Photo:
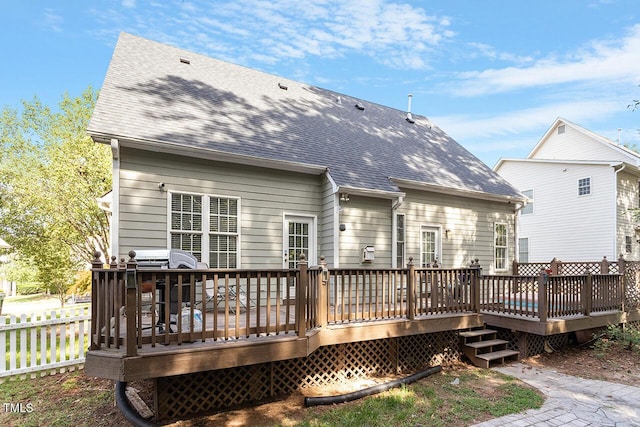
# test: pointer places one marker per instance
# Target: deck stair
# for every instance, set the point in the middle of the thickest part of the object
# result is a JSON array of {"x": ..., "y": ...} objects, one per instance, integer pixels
[{"x": 483, "y": 348}]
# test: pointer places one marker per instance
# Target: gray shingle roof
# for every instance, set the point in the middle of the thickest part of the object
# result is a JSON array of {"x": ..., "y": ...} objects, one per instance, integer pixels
[{"x": 149, "y": 94}]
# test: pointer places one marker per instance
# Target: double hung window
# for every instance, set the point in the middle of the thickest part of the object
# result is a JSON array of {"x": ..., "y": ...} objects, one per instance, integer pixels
[{"x": 207, "y": 226}]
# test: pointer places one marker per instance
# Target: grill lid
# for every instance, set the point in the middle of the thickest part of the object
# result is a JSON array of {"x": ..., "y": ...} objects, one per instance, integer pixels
[{"x": 165, "y": 258}]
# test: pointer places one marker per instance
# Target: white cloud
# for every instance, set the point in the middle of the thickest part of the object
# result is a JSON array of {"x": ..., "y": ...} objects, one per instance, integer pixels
[
  {"x": 129, "y": 4},
  {"x": 52, "y": 20},
  {"x": 398, "y": 35},
  {"x": 600, "y": 61},
  {"x": 525, "y": 120}
]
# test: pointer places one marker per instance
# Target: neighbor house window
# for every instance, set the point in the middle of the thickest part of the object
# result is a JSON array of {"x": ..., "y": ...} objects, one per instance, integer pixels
[
  {"x": 207, "y": 226},
  {"x": 500, "y": 244},
  {"x": 584, "y": 186},
  {"x": 528, "y": 208},
  {"x": 400, "y": 240},
  {"x": 628, "y": 242},
  {"x": 523, "y": 249}
]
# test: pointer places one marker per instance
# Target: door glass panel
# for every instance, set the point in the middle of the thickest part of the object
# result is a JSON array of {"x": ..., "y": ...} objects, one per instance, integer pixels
[
  {"x": 429, "y": 247},
  {"x": 298, "y": 242}
]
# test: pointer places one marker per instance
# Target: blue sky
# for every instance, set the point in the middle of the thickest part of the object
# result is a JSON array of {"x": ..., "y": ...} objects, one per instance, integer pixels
[{"x": 493, "y": 74}]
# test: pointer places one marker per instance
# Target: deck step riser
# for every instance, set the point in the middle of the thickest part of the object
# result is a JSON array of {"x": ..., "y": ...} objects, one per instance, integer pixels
[{"x": 484, "y": 350}]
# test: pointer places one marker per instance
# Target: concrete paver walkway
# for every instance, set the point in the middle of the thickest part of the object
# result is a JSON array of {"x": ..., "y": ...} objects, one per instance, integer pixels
[{"x": 572, "y": 401}]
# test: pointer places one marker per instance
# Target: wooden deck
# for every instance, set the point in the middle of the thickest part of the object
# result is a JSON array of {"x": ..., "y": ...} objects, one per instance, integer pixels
[{"x": 254, "y": 317}]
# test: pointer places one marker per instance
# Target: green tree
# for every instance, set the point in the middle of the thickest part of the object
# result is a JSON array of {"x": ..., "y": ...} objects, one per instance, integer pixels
[{"x": 51, "y": 174}]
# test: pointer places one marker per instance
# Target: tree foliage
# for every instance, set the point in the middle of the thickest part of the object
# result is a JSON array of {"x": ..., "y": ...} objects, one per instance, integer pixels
[{"x": 51, "y": 174}]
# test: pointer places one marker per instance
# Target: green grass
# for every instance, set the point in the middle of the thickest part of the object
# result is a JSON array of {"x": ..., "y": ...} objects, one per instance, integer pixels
[
  {"x": 478, "y": 396},
  {"x": 69, "y": 399}
]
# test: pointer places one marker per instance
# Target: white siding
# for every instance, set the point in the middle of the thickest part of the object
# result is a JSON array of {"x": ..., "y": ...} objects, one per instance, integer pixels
[
  {"x": 265, "y": 195},
  {"x": 563, "y": 224},
  {"x": 574, "y": 145}
]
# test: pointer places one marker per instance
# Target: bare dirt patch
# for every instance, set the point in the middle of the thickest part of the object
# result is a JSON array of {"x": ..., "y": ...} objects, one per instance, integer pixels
[{"x": 617, "y": 364}]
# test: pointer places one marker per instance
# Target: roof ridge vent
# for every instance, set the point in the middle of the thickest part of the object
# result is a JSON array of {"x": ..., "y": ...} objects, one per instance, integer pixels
[
  {"x": 185, "y": 60},
  {"x": 339, "y": 100},
  {"x": 359, "y": 106},
  {"x": 283, "y": 87}
]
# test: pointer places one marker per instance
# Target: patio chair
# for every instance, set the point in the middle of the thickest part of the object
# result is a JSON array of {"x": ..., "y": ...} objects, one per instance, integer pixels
[{"x": 219, "y": 296}]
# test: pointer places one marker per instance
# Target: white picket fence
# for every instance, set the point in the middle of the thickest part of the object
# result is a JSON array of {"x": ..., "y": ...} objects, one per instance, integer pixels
[{"x": 47, "y": 342}]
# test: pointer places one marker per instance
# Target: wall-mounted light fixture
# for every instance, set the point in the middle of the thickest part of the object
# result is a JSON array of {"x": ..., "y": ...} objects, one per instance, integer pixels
[
  {"x": 344, "y": 197},
  {"x": 343, "y": 227},
  {"x": 446, "y": 233},
  {"x": 161, "y": 186}
]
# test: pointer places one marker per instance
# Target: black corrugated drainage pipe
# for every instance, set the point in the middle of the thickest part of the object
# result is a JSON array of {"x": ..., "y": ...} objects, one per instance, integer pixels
[
  {"x": 342, "y": 398},
  {"x": 127, "y": 410}
]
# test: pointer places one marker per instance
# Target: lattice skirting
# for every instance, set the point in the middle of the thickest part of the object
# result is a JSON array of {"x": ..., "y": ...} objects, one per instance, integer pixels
[
  {"x": 185, "y": 395},
  {"x": 529, "y": 344}
]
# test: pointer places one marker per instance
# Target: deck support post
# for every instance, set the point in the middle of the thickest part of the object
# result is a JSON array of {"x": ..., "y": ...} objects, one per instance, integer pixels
[
  {"x": 623, "y": 282},
  {"x": 130, "y": 304},
  {"x": 543, "y": 281},
  {"x": 475, "y": 285},
  {"x": 301, "y": 296},
  {"x": 96, "y": 286},
  {"x": 411, "y": 290},
  {"x": 586, "y": 297},
  {"x": 321, "y": 292}
]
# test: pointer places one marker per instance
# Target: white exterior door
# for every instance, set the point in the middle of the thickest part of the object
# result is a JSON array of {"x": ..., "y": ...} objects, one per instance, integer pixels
[
  {"x": 299, "y": 236},
  {"x": 430, "y": 245}
]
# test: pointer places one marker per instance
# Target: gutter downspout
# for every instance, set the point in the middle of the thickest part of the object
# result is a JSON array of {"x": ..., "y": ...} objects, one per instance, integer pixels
[
  {"x": 516, "y": 230},
  {"x": 615, "y": 210},
  {"x": 394, "y": 227},
  {"x": 115, "y": 198},
  {"x": 330, "y": 400},
  {"x": 127, "y": 410}
]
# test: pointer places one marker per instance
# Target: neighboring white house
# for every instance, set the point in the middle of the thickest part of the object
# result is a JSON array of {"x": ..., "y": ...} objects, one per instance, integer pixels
[
  {"x": 582, "y": 188},
  {"x": 246, "y": 169}
]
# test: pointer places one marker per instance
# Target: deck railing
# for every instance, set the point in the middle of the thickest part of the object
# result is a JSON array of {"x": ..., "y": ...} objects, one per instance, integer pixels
[
  {"x": 134, "y": 307},
  {"x": 550, "y": 296}
]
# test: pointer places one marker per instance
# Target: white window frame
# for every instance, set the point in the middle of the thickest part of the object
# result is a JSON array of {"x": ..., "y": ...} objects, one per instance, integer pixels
[
  {"x": 206, "y": 224},
  {"x": 397, "y": 239},
  {"x": 522, "y": 240},
  {"x": 496, "y": 246},
  {"x": 438, "y": 243},
  {"x": 580, "y": 187},
  {"x": 528, "y": 208}
]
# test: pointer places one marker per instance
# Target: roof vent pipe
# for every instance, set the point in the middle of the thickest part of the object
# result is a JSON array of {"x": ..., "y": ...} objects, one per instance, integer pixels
[{"x": 409, "y": 115}]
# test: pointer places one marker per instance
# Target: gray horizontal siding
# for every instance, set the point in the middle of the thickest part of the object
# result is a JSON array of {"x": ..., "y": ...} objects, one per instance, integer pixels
[
  {"x": 470, "y": 221},
  {"x": 265, "y": 195},
  {"x": 368, "y": 223}
]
